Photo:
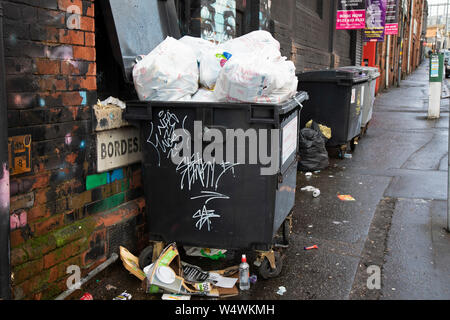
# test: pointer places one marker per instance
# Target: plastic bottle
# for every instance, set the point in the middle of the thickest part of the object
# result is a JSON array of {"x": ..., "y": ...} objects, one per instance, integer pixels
[{"x": 244, "y": 274}]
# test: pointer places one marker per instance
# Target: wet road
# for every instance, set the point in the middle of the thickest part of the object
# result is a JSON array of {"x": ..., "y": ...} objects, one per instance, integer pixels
[{"x": 398, "y": 177}]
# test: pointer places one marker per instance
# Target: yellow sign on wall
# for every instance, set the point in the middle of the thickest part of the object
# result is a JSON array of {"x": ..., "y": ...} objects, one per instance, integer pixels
[{"x": 19, "y": 150}]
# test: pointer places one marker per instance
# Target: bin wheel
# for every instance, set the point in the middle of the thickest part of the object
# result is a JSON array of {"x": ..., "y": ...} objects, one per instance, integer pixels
[
  {"x": 146, "y": 257},
  {"x": 354, "y": 143},
  {"x": 265, "y": 270}
]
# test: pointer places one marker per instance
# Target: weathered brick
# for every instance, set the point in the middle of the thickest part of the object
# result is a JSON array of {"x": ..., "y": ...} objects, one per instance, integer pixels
[
  {"x": 39, "y": 246},
  {"x": 22, "y": 100},
  {"x": 11, "y": 11},
  {"x": 20, "y": 236},
  {"x": 87, "y": 24},
  {"x": 44, "y": 33},
  {"x": 49, "y": 291},
  {"x": 53, "y": 131},
  {"x": 63, "y": 5},
  {"x": 76, "y": 68},
  {"x": 71, "y": 37},
  {"x": 34, "y": 284},
  {"x": 18, "y": 256},
  {"x": 88, "y": 8},
  {"x": 60, "y": 270},
  {"x": 22, "y": 83},
  {"x": 27, "y": 270},
  {"x": 24, "y": 48},
  {"x": 59, "y": 51},
  {"x": 18, "y": 65},
  {"x": 44, "y": 226},
  {"x": 29, "y": 14},
  {"x": 37, "y": 213},
  {"x": 13, "y": 30},
  {"x": 84, "y": 53},
  {"x": 53, "y": 83},
  {"x": 89, "y": 39},
  {"x": 51, "y": 18},
  {"x": 72, "y": 98},
  {"x": 86, "y": 83},
  {"x": 22, "y": 201},
  {"x": 74, "y": 232},
  {"x": 64, "y": 253},
  {"x": 45, "y": 67}
]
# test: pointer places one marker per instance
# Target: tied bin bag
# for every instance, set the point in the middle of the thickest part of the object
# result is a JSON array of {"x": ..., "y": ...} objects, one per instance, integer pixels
[{"x": 313, "y": 153}]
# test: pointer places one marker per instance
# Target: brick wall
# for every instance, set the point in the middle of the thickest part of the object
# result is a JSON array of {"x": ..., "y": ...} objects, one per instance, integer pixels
[
  {"x": 62, "y": 212},
  {"x": 304, "y": 31}
]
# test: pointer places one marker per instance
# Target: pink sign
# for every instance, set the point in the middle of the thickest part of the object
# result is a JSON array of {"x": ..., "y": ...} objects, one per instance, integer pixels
[
  {"x": 391, "y": 28},
  {"x": 351, "y": 19}
]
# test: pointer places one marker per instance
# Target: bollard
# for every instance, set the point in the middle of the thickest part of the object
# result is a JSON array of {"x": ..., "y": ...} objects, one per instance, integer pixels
[{"x": 435, "y": 77}]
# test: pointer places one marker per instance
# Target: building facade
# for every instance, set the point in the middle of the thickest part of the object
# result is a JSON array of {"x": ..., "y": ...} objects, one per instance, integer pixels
[
  {"x": 64, "y": 211},
  {"x": 400, "y": 54}
]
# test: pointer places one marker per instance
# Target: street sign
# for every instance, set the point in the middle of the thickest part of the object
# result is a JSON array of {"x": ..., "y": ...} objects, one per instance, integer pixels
[
  {"x": 436, "y": 67},
  {"x": 118, "y": 148}
]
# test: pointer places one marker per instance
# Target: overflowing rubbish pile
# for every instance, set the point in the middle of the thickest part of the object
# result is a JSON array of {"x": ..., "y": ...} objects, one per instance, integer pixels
[
  {"x": 249, "y": 68},
  {"x": 180, "y": 280}
]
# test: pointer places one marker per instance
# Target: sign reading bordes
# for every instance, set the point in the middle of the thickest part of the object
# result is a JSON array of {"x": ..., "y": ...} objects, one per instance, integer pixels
[{"x": 118, "y": 148}]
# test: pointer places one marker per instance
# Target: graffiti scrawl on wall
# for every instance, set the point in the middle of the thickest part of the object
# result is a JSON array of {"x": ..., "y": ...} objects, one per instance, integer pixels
[{"x": 218, "y": 20}]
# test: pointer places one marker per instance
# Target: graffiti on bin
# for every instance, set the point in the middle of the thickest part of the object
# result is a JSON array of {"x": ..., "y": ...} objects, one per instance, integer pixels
[
  {"x": 192, "y": 169},
  {"x": 204, "y": 215},
  {"x": 196, "y": 169},
  {"x": 163, "y": 137}
]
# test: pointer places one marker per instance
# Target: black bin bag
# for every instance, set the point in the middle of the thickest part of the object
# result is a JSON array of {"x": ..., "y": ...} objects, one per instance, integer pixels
[{"x": 313, "y": 154}]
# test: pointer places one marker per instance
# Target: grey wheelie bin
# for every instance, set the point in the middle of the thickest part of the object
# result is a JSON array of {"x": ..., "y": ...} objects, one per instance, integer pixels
[
  {"x": 369, "y": 95},
  {"x": 335, "y": 100},
  {"x": 224, "y": 201}
]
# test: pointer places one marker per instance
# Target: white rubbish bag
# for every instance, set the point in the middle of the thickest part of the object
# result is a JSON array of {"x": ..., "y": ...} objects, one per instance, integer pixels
[
  {"x": 213, "y": 60},
  {"x": 259, "y": 42},
  {"x": 211, "y": 63},
  {"x": 168, "y": 73},
  {"x": 198, "y": 45},
  {"x": 204, "y": 95},
  {"x": 251, "y": 78}
]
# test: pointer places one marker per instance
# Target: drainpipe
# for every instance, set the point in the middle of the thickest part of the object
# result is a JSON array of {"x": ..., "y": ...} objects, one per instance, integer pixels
[
  {"x": 5, "y": 272},
  {"x": 332, "y": 33},
  {"x": 411, "y": 18},
  {"x": 388, "y": 49}
]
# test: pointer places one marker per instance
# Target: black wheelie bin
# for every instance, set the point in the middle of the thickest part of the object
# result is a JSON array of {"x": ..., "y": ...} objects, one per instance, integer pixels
[
  {"x": 228, "y": 203},
  {"x": 368, "y": 95},
  {"x": 335, "y": 100}
]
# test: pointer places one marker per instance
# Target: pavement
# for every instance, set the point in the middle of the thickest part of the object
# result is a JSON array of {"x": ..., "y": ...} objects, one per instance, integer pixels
[{"x": 396, "y": 225}]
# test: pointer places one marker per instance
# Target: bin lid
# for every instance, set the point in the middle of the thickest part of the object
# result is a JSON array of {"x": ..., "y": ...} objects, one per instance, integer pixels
[
  {"x": 372, "y": 72},
  {"x": 334, "y": 75},
  {"x": 136, "y": 27}
]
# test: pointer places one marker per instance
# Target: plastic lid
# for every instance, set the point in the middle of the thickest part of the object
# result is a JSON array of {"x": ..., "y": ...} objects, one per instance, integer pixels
[
  {"x": 333, "y": 75},
  {"x": 244, "y": 258},
  {"x": 136, "y": 27},
  {"x": 165, "y": 274}
]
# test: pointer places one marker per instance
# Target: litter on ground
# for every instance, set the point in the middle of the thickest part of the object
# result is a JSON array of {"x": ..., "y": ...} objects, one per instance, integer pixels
[
  {"x": 281, "y": 290},
  {"x": 345, "y": 197}
]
